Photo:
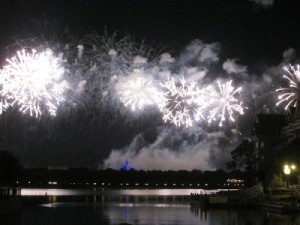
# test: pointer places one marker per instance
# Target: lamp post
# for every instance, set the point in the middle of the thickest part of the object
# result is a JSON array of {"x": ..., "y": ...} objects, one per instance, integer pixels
[{"x": 287, "y": 171}]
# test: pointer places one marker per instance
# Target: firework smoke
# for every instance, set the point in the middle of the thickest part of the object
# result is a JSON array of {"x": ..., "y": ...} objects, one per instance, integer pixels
[
  {"x": 173, "y": 148},
  {"x": 230, "y": 66},
  {"x": 107, "y": 74},
  {"x": 264, "y": 3}
]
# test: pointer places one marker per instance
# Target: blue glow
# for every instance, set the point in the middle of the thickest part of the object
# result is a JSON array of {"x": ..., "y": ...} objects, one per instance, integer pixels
[{"x": 125, "y": 166}]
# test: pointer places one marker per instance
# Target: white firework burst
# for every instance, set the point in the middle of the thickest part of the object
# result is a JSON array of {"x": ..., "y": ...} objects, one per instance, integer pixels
[
  {"x": 139, "y": 92},
  {"x": 291, "y": 94},
  {"x": 178, "y": 103},
  {"x": 33, "y": 81},
  {"x": 221, "y": 103}
]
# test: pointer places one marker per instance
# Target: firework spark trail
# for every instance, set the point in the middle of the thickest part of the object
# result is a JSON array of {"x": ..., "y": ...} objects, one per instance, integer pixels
[
  {"x": 178, "y": 105},
  {"x": 109, "y": 60},
  {"x": 138, "y": 92},
  {"x": 4, "y": 91},
  {"x": 34, "y": 81},
  {"x": 116, "y": 55},
  {"x": 291, "y": 94},
  {"x": 221, "y": 102}
]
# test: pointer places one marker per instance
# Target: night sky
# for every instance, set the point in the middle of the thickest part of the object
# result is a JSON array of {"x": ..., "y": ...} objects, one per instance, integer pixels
[{"x": 248, "y": 41}]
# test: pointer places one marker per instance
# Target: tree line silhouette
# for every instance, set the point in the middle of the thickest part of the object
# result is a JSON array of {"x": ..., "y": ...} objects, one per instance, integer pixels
[{"x": 12, "y": 173}]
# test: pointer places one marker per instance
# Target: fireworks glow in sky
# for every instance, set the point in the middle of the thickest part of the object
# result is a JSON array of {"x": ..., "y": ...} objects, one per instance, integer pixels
[
  {"x": 170, "y": 94},
  {"x": 138, "y": 92},
  {"x": 33, "y": 81},
  {"x": 222, "y": 103},
  {"x": 182, "y": 103},
  {"x": 178, "y": 105},
  {"x": 291, "y": 94}
]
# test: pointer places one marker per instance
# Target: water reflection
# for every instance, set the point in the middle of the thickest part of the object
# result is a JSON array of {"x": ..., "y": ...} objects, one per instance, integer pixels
[
  {"x": 143, "y": 214},
  {"x": 34, "y": 197},
  {"x": 64, "y": 214},
  {"x": 134, "y": 192},
  {"x": 243, "y": 217},
  {"x": 143, "y": 207},
  {"x": 11, "y": 219}
]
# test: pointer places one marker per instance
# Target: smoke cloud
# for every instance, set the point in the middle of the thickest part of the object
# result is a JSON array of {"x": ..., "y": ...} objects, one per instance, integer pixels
[
  {"x": 141, "y": 136},
  {"x": 174, "y": 149},
  {"x": 198, "y": 52},
  {"x": 166, "y": 58},
  {"x": 289, "y": 54},
  {"x": 230, "y": 66},
  {"x": 201, "y": 147},
  {"x": 264, "y": 3}
]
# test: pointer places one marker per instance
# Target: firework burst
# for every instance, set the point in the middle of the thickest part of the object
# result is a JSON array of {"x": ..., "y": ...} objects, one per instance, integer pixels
[
  {"x": 291, "y": 94},
  {"x": 33, "y": 81},
  {"x": 139, "y": 92},
  {"x": 221, "y": 103},
  {"x": 178, "y": 103}
]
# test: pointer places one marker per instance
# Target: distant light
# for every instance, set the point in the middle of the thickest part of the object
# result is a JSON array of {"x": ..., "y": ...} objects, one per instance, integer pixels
[
  {"x": 52, "y": 182},
  {"x": 293, "y": 167},
  {"x": 286, "y": 169}
]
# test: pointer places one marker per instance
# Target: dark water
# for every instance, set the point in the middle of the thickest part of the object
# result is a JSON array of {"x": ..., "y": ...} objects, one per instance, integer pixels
[{"x": 132, "y": 206}]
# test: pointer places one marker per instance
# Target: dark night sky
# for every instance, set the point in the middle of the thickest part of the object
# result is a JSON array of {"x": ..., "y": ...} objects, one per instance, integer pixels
[
  {"x": 246, "y": 30},
  {"x": 255, "y": 32}
]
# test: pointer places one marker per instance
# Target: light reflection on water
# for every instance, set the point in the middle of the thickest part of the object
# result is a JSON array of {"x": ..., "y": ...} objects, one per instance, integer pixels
[
  {"x": 150, "y": 205},
  {"x": 138, "y": 207},
  {"x": 135, "y": 192}
]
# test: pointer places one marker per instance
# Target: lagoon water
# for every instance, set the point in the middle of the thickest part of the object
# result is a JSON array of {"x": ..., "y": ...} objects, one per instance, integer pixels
[{"x": 138, "y": 207}]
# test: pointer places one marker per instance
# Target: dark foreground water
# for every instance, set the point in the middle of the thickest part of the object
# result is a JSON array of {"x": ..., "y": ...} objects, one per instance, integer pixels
[{"x": 139, "y": 207}]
